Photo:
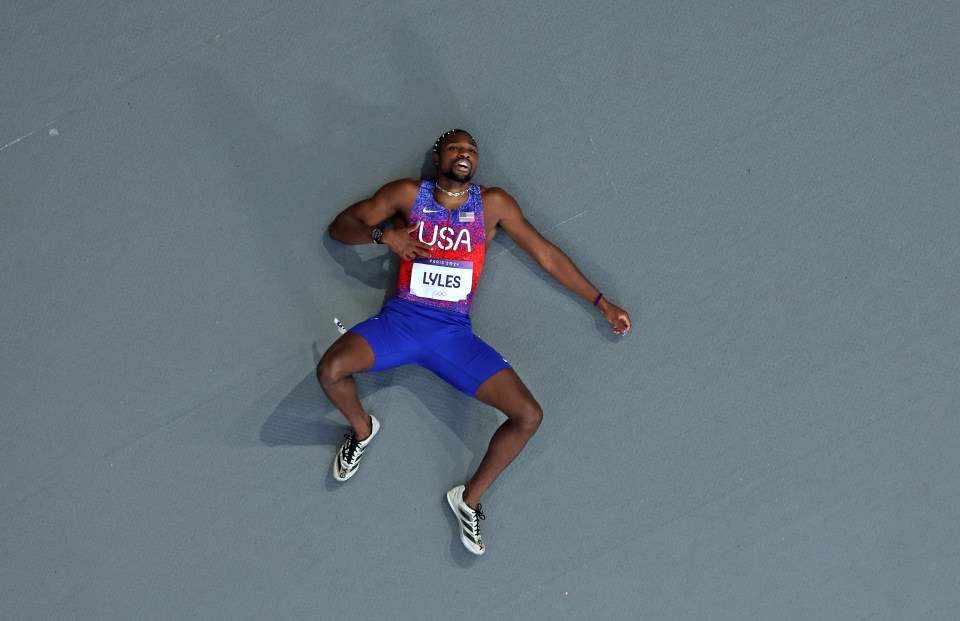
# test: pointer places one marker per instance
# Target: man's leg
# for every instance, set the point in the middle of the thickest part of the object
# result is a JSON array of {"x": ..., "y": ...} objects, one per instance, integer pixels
[
  {"x": 505, "y": 391},
  {"x": 348, "y": 355}
]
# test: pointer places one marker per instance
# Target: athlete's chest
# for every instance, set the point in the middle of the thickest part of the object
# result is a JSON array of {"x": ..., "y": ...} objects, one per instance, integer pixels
[
  {"x": 457, "y": 231},
  {"x": 457, "y": 227}
]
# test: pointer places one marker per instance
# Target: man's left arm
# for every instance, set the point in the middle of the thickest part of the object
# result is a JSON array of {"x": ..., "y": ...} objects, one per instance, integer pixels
[{"x": 553, "y": 260}]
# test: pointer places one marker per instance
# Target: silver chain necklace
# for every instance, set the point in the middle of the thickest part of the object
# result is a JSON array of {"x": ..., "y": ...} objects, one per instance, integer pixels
[{"x": 453, "y": 194}]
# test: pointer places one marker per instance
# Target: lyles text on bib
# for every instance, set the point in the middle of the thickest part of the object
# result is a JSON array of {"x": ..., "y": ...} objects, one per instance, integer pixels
[{"x": 441, "y": 279}]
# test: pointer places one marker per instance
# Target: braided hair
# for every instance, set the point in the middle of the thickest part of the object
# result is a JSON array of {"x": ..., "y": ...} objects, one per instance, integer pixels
[{"x": 436, "y": 145}]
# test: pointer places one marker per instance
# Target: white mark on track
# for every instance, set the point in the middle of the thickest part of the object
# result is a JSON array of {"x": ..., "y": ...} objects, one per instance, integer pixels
[
  {"x": 558, "y": 224},
  {"x": 10, "y": 144}
]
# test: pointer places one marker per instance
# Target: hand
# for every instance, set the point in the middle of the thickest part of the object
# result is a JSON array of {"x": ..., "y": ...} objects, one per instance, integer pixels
[
  {"x": 617, "y": 317},
  {"x": 402, "y": 243}
]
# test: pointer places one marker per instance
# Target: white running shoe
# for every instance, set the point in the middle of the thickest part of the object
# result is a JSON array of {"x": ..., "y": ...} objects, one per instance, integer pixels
[
  {"x": 468, "y": 519},
  {"x": 348, "y": 457}
]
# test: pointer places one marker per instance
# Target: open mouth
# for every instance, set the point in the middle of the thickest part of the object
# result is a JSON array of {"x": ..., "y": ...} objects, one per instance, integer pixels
[{"x": 462, "y": 165}]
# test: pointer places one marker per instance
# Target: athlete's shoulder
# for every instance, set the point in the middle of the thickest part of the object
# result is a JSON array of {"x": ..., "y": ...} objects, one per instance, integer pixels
[
  {"x": 497, "y": 195},
  {"x": 498, "y": 200}
]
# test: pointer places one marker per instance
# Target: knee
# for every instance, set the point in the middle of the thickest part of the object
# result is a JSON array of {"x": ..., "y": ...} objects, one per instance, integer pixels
[
  {"x": 329, "y": 371},
  {"x": 530, "y": 417}
]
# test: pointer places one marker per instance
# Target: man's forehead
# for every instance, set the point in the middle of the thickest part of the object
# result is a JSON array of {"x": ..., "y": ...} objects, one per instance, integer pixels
[{"x": 459, "y": 137}]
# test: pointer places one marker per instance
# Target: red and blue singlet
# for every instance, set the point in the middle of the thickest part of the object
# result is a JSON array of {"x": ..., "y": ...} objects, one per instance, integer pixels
[{"x": 447, "y": 279}]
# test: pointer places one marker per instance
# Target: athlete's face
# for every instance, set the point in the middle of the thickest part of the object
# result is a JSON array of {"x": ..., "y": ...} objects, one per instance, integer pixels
[{"x": 457, "y": 158}]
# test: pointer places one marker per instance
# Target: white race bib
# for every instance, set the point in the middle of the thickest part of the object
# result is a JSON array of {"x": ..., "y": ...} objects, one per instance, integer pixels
[{"x": 441, "y": 279}]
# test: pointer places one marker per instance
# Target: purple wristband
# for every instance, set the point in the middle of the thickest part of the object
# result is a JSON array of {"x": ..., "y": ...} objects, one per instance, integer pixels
[{"x": 597, "y": 301}]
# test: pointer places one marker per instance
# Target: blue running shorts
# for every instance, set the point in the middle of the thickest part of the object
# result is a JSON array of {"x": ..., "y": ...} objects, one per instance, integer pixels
[{"x": 442, "y": 342}]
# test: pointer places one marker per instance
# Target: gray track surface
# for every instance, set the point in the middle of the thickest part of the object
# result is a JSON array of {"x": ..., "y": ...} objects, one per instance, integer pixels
[{"x": 770, "y": 187}]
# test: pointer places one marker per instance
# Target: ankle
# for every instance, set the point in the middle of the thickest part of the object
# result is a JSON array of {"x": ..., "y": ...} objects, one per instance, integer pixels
[
  {"x": 470, "y": 501},
  {"x": 362, "y": 434}
]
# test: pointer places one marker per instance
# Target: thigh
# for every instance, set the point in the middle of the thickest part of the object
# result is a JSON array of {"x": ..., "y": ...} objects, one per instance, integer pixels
[
  {"x": 349, "y": 354},
  {"x": 505, "y": 391},
  {"x": 464, "y": 361},
  {"x": 389, "y": 337}
]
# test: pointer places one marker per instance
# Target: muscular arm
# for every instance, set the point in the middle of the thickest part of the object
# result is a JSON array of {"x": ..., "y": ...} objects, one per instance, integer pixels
[
  {"x": 553, "y": 260},
  {"x": 354, "y": 225}
]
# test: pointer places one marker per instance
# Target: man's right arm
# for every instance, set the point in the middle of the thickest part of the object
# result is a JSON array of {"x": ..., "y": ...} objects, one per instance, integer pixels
[{"x": 354, "y": 225}]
